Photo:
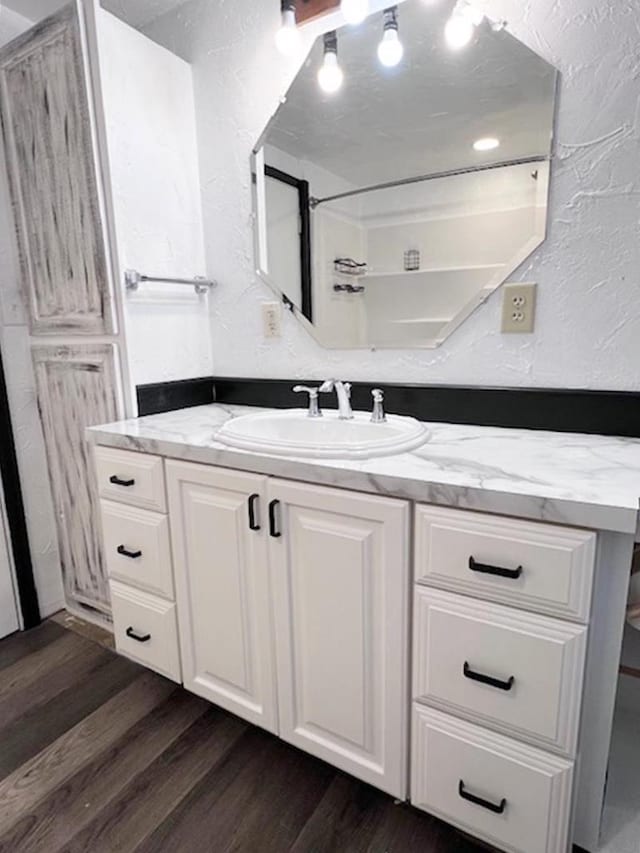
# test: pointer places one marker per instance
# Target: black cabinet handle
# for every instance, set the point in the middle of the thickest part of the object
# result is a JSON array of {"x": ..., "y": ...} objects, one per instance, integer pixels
[
  {"x": 118, "y": 482},
  {"x": 133, "y": 555},
  {"x": 486, "y": 679},
  {"x": 512, "y": 574},
  {"x": 273, "y": 525},
  {"x": 253, "y": 501},
  {"x": 139, "y": 638},
  {"x": 496, "y": 808}
]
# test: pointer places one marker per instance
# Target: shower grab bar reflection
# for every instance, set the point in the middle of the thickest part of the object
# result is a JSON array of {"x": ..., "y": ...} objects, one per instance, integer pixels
[{"x": 133, "y": 279}]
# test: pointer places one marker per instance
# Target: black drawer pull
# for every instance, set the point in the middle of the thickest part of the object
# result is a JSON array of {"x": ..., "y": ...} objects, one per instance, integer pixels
[
  {"x": 273, "y": 524},
  {"x": 133, "y": 555},
  {"x": 512, "y": 574},
  {"x": 496, "y": 808},
  {"x": 139, "y": 638},
  {"x": 486, "y": 679},
  {"x": 118, "y": 482},
  {"x": 253, "y": 502}
]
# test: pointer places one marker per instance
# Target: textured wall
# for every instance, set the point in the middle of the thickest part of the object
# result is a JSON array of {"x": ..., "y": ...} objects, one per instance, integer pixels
[
  {"x": 151, "y": 139},
  {"x": 588, "y": 332}
]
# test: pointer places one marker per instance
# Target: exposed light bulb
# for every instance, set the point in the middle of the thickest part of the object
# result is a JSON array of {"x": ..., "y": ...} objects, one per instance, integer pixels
[
  {"x": 458, "y": 31},
  {"x": 487, "y": 143},
  {"x": 354, "y": 11},
  {"x": 288, "y": 38},
  {"x": 390, "y": 49},
  {"x": 330, "y": 75},
  {"x": 462, "y": 23}
]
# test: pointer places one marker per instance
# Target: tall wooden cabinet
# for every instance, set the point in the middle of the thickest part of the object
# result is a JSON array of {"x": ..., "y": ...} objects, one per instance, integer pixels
[
  {"x": 64, "y": 277},
  {"x": 47, "y": 133}
]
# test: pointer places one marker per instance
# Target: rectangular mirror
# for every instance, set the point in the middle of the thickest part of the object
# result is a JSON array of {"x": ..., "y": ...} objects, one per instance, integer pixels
[{"x": 388, "y": 209}]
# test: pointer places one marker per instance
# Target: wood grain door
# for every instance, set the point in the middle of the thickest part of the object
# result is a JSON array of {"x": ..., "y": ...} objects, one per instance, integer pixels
[
  {"x": 76, "y": 388},
  {"x": 45, "y": 118},
  {"x": 218, "y": 530},
  {"x": 340, "y": 576}
]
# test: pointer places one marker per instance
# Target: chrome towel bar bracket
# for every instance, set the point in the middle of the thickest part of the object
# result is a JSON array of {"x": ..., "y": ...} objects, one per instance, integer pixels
[{"x": 133, "y": 279}]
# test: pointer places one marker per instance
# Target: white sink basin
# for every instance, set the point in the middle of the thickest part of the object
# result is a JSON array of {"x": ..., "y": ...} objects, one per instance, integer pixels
[{"x": 293, "y": 433}]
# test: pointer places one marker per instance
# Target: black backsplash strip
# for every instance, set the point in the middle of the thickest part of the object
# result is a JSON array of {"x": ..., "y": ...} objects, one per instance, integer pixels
[
  {"x": 169, "y": 396},
  {"x": 560, "y": 410}
]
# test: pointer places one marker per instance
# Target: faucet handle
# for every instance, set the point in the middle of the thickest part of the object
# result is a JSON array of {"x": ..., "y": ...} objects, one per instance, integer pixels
[
  {"x": 314, "y": 408},
  {"x": 378, "y": 415}
]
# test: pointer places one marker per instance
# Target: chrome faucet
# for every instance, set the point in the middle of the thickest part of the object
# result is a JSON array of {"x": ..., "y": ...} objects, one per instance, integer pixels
[
  {"x": 343, "y": 391},
  {"x": 314, "y": 407},
  {"x": 377, "y": 415}
]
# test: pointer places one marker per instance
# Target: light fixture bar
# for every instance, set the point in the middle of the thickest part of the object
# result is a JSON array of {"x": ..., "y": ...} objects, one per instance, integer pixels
[{"x": 434, "y": 176}]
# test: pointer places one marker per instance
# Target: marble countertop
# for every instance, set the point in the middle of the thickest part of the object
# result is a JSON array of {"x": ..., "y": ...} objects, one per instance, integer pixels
[{"x": 583, "y": 480}]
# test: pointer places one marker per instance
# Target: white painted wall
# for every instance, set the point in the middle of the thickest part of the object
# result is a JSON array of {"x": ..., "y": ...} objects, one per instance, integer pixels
[
  {"x": 16, "y": 353},
  {"x": 153, "y": 161},
  {"x": 588, "y": 332}
]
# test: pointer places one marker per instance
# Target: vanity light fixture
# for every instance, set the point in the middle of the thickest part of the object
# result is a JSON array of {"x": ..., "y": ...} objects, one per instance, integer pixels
[
  {"x": 354, "y": 11},
  {"x": 330, "y": 75},
  {"x": 288, "y": 40},
  {"x": 462, "y": 24},
  {"x": 487, "y": 143},
  {"x": 390, "y": 49}
]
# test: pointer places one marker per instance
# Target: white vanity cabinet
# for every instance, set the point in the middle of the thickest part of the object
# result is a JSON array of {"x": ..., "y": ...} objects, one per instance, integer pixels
[
  {"x": 339, "y": 563},
  {"x": 135, "y": 537},
  {"x": 300, "y": 592},
  {"x": 219, "y": 537},
  {"x": 289, "y": 603},
  {"x": 497, "y": 690}
]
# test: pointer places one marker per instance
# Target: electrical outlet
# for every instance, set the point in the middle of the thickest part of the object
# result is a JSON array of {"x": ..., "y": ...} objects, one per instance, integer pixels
[
  {"x": 519, "y": 308},
  {"x": 271, "y": 319}
]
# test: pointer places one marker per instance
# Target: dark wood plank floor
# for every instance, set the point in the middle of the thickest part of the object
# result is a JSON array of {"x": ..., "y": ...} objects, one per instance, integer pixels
[{"x": 98, "y": 755}]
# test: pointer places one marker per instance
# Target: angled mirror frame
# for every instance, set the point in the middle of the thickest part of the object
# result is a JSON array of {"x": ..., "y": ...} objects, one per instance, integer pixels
[{"x": 384, "y": 174}]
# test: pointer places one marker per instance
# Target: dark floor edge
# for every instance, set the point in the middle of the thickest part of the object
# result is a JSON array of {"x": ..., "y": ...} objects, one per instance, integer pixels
[
  {"x": 14, "y": 505},
  {"x": 557, "y": 409}
]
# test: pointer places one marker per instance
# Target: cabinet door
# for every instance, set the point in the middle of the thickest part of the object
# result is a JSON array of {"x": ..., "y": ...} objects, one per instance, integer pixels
[
  {"x": 222, "y": 587},
  {"x": 341, "y": 589},
  {"x": 45, "y": 117},
  {"x": 76, "y": 388}
]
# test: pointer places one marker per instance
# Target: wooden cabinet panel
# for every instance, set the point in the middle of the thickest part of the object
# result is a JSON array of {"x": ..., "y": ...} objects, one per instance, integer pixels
[
  {"x": 222, "y": 588},
  {"x": 52, "y": 176},
  {"x": 340, "y": 580},
  {"x": 76, "y": 388}
]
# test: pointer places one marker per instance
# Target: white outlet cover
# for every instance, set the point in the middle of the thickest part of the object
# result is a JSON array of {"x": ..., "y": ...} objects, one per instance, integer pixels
[
  {"x": 518, "y": 308},
  {"x": 271, "y": 319}
]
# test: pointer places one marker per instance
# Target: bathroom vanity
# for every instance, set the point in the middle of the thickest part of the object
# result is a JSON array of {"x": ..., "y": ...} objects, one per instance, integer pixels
[{"x": 444, "y": 623}]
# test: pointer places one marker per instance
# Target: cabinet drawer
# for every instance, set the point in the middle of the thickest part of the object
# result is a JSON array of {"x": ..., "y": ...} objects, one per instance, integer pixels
[
  {"x": 153, "y": 621},
  {"x": 137, "y": 547},
  {"x": 540, "y": 567},
  {"x": 511, "y": 670},
  {"x": 511, "y": 795},
  {"x": 132, "y": 478}
]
